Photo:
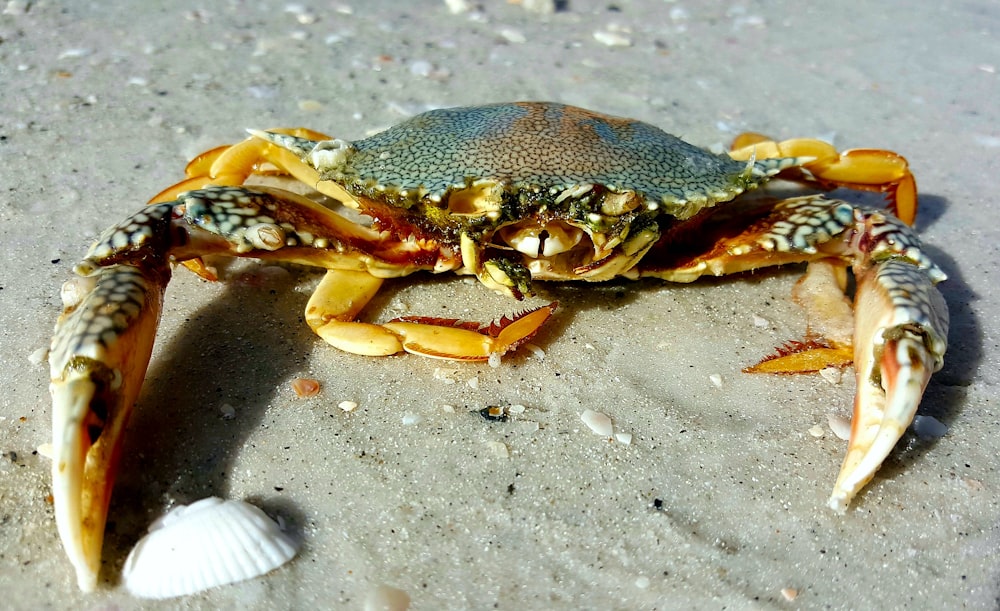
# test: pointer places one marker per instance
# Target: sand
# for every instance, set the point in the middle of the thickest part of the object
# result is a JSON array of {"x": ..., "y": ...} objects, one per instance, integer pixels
[{"x": 717, "y": 498}]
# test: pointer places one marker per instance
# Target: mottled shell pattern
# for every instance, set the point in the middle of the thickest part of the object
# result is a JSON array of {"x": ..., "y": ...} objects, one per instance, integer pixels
[{"x": 512, "y": 161}]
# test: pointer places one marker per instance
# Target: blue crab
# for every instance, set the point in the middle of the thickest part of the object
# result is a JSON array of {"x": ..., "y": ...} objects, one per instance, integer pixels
[{"x": 510, "y": 193}]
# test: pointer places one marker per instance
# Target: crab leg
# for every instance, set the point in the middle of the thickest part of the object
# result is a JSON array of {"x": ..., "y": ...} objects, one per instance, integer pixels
[
  {"x": 862, "y": 169},
  {"x": 900, "y": 318},
  {"x": 342, "y": 294},
  {"x": 103, "y": 340},
  {"x": 232, "y": 165}
]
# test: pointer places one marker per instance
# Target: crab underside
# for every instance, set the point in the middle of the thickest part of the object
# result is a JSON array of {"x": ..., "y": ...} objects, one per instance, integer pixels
[{"x": 510, "y": 193}]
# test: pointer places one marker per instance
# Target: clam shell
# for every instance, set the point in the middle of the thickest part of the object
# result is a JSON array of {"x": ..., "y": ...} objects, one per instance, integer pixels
[{"x": 206, "y": 544}]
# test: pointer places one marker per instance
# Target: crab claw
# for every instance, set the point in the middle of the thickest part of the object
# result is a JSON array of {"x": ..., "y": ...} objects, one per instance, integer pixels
[
  {"x": 99, "y": 355},
  {"x": 900, "y": 340}
]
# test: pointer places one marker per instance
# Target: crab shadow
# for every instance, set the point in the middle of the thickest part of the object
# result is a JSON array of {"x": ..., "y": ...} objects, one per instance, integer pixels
[{"x": 208, "y": 388}]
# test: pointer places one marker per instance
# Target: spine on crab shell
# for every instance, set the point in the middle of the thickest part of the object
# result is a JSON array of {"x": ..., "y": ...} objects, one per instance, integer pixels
[{"x": 299, "y": 146}]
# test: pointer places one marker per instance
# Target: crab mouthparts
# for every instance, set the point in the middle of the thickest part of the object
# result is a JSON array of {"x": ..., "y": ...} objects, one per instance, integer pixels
[{"x": 535, "y": 240}]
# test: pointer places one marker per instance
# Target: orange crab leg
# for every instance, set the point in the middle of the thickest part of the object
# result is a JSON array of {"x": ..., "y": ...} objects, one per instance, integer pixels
[
  {"x": 231, "y": 165},
  {"x": 862, "y": 169},
  {"x": 829, "y": 328},
  {"x": 900, "y": 319},
  {"x": 342, "y": 294}
]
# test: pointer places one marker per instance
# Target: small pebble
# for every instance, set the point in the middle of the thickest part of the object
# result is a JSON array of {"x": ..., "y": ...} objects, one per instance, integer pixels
[
  {"x": 74, "y": 53},
  {"x": 816, "y": 431},
  {"x": 305, "y": 387},
  {"x": 528, "y": 426},
  {"x": 16, "y": 7},
  {"x": 929, "y": 427},
  {"x": 228, "y": 411},
  {"x": 456, "y": 7},
  {"x": 302, "y": 14},
  {"x": 716, "y": 380},
  {"x": 612, "y": 39},
  {"x": 535, "y": 351},
  {"x": 409, "y": 419},
  {"x": 678, "y": 14},
  {"x": 833, "y": 375},
  {"x": 348, "y": 406},
  {"x": 445, "y": 375},
  {"x": 972, "y": 484},
  {"x": 494, "y": 413},
  {"x": 499, "y": 449},
  {"x": 421, "y": 68},
  {"x": 310, "y": 105},
  {"x": 513, "y": 36},
  {"x": 37, "y": 357}
]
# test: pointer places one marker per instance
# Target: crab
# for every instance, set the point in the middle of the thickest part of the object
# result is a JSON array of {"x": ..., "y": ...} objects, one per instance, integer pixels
[{"x": 511, "y": 193}]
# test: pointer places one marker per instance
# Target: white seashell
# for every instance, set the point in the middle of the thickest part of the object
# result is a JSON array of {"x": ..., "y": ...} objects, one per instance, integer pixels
[
  {"x": 387, "y": 598},
  {"x": 597, "y": 422},
  {"x": 206, "y": 544},
  {"x": 623, "y": 438},
  {"x": 840, "y": 425}
]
